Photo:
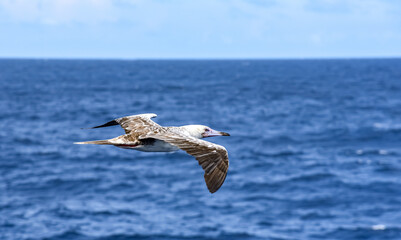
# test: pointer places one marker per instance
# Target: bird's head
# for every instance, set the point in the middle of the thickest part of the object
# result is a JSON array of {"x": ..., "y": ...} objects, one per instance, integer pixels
[{"x": 201, "y": 131}]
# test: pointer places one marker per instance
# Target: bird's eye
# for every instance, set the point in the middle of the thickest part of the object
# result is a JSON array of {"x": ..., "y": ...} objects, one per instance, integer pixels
[{"x": 207, "y": 129}]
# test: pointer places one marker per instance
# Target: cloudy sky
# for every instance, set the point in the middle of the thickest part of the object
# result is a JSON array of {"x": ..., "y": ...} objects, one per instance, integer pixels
[{"x": 132, "y": 29}]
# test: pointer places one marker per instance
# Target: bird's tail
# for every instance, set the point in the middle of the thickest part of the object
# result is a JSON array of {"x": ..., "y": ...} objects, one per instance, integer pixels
[{"x": 99, "y": 142}]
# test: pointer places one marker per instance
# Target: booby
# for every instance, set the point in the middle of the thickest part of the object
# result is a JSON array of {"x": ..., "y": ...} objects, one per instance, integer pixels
[{"x": 143, "y": 134}]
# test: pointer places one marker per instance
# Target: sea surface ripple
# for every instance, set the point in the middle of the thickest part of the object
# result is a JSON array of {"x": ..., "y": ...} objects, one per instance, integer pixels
[{"x": 314, "y": 150}]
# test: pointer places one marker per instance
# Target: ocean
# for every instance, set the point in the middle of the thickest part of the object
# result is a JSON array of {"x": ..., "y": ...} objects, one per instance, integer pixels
[{"x": 315, "y": 149}]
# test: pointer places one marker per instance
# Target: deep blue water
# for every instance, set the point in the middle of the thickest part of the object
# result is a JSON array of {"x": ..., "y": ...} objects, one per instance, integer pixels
[{"x": 315, "y": 150}]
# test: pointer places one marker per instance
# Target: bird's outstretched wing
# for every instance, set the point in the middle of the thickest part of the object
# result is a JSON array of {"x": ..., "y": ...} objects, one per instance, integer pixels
[
  {"x": 135, "y": 123},
  {"x": 212, "y": 157}
]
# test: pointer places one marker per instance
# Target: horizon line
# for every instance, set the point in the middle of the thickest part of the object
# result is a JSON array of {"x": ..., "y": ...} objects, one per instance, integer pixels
[{"x": 199, "y": 58}]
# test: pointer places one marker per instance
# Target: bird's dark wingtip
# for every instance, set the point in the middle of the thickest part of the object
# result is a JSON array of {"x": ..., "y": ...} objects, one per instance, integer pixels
[{"x": 108, "y": 124}]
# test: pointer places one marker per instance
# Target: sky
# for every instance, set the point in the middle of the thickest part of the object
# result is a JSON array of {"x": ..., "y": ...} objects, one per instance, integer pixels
[{"x": 200, "y": 29}]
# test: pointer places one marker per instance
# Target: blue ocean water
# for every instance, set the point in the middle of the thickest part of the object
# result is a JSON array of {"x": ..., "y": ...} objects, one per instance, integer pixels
[{"x": 314, "y": 150}]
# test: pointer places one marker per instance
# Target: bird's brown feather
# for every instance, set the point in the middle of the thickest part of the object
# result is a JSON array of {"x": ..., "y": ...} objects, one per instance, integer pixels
[{"x": 212, "y": 157}]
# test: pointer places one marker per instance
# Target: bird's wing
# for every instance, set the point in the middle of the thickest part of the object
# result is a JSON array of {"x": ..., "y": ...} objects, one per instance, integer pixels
[
  {"x": 212, "y": 157},
  {"x": 138, "y": 124}
]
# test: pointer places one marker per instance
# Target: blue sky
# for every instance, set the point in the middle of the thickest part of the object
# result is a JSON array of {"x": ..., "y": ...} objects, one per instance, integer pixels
[{"x": 132, "y": 29}]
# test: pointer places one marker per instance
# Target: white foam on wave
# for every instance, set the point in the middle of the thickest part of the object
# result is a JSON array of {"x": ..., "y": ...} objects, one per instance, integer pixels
[
  {"x": 379, "y": 227},
  {"x": 372, "y": 151},
  {"x": 383, "y": 152},
  {"x": 387, "y": 126}
]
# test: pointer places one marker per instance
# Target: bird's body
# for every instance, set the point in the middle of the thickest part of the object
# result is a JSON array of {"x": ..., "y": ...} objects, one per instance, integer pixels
[
  {"x": 152, "y": 145},
  {"x": 142, "y": 134}
]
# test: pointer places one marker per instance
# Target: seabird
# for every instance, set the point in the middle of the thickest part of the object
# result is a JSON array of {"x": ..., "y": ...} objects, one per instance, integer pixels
[{"x": 143, "y": 134}]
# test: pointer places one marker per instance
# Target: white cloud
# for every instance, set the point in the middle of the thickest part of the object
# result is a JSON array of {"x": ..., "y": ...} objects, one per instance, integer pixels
[
  {"x": 259, "y": 13},
  {"x": 58, "y": 11},
  {"x": 214, "y": 27}
]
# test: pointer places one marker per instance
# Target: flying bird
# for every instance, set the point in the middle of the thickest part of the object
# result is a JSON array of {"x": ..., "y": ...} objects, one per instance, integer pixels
[{"x": 143, "y": 134}]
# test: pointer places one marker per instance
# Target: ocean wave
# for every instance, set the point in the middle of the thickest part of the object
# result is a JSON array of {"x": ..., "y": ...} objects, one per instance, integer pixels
[
  {"x": 363, "y": 232},
  {"x": 314, "y": 150},
  {"x": 387, "y": 126},
  {"x": 370, "y": 152},
  {"x": 263, "y": 183},
  {"x": 275, "y": 154}
]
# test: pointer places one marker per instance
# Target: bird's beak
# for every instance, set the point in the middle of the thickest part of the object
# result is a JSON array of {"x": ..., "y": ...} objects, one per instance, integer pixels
[
  {"x": 224, "y": 134},
  {"x": 214, "y": 133}
]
